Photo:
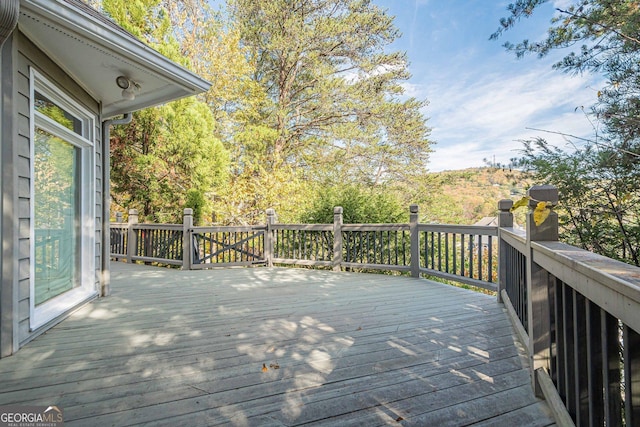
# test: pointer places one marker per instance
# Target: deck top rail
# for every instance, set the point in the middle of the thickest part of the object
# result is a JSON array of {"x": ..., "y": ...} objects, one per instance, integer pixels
[{"x": 578, "y": 314}]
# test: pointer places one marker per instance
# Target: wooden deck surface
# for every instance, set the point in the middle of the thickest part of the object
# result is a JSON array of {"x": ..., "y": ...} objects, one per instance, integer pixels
[{"x": 190, "y": 348}]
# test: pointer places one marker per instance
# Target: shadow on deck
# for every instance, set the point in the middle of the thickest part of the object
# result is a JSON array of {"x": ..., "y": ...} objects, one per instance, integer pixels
[{"x": 278, "y": 347}]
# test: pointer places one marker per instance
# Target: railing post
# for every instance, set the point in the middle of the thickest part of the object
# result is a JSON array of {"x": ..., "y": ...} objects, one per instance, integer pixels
[
  {"x": 337, "y": 238},
  {"x": 269, "y": 245},
  {"x": 414, "y": 239},
  {"x": 132, "y": 238},
  {"x": 505, "y": 220},
  {"x": 119, "y": 217},
  {"x": 538, "y": 281},
  {"x": 187, "y": 241}
]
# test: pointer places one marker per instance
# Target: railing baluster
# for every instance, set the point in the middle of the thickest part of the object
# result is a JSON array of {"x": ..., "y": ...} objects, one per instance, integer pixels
[
  {"x": 439, "y": 251},
  {"x": 446, "y": 252},
  {"x": 397, "y": 247},
  {"x": 455, "y": 269},
  {"x": 612, "y": 361},
  {"x": 561, "y": 341},
  {"x": 594, "y": 363},
  {"x": 480, "y": 250},
  {"x": 631, "y": 346},
  {"x": 580, "y": 366},
  {"x": 570, "y": 362},
  {"x": 462, "y": 249},
  {"x": 490, "y": 261},
  {"x": 433, "y": 245},
  {"x": 404, "y": 248},
  {"x": 470, "y": 253}
]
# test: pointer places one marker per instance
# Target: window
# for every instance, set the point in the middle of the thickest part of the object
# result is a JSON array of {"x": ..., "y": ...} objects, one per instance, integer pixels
[{"x": 62, "y": 202}]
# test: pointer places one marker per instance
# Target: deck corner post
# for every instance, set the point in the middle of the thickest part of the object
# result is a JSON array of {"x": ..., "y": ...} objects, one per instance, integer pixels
[
  {"x": 414, "y": 241},
  {"x": 187, "y": 241},
  {"x": 539, "y": 319},
  {"x": 505, "y": 220},
  {"x": 132, "y": 239},
  {"x": 268, "y": 236},
  {"x": 337, "y": 238}
]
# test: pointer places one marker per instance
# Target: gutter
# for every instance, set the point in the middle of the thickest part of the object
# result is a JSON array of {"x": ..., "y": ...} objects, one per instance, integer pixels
[
  {"x": 9, "y": 14},
  {"x": 105, "y": 276}
]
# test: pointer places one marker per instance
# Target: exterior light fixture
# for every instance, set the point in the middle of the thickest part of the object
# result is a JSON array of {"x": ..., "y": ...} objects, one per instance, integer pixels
[{"x": 128, "y": 86}]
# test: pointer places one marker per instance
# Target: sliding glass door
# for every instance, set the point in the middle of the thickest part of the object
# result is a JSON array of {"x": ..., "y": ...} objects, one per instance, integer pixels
[
  {"x": 62, "y": 203},
  {"x": 56, "y": 216}
]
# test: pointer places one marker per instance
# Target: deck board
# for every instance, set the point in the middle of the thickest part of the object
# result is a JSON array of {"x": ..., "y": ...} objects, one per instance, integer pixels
[{"x": 172, "y": 347}]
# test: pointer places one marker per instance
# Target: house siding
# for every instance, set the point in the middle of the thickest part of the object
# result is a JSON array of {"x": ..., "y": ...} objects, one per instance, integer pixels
[
  {"x": 8, "y": 149},
  {"x": 98, "y": 202},
  {"x": 30, "y": 56}
]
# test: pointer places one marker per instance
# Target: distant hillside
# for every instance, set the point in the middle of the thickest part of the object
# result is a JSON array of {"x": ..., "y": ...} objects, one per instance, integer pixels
[{"x": 466, "y": 196}]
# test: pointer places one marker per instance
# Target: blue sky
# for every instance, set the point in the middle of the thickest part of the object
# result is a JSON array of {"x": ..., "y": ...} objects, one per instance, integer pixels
[{"x": 482, "y": 100}]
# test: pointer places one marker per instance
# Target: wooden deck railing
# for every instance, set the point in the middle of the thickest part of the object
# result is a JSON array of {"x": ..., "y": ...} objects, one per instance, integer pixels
[
  {"x": 577, "y": 313},
  {"x": 464, "y": 254},
  {"x": 225, "y": 246}
]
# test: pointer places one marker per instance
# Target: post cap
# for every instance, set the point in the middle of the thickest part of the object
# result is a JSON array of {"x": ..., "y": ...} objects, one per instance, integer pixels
[
  {"x": 337, "y": 210},
  {"x": 505, "y": 205},
  {"x": 542, "y": 193},
  {"x": 413, "y": 209}
]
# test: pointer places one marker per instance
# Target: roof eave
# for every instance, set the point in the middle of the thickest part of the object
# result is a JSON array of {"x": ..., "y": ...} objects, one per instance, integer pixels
[{"x": 119, "y": 43}]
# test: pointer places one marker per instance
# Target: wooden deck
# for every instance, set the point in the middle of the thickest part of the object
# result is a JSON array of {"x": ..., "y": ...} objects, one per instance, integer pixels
[{"x": 190, "y": 348}]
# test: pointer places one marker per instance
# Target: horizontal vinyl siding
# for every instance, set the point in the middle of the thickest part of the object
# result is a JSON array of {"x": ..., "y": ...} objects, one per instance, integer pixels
[
  {"x": 98, "y": 202},
  {"x": 30, "y": 56},
  {"x": 24, "y": 194}
]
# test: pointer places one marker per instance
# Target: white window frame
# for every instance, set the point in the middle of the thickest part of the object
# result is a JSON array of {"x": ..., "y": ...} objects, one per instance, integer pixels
[{"x": 56, "y": 306}]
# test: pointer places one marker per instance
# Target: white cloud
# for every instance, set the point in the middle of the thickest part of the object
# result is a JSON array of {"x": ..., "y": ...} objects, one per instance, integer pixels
[
  {"x": 477, "y": 115},
  {"x": 481, "y": 99}
]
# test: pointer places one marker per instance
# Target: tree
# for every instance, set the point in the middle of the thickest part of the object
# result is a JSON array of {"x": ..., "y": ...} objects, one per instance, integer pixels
[
  {"x": 602, "y": 36},
  {"x": 304, "y": 96},
  {"x": 599, "y": 209},
  {"x": 361, "y": 205},
  {"x": 599, "y": 181},
  {"x": 170, "y": 151},
  {"x": 334, "y": 100},
  {"x": 165, "y": 153}
]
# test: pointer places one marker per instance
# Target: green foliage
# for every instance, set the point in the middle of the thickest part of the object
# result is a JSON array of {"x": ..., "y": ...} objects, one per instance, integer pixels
[
  {"x": 170, "y": 151},
  {"x": 196, "y": 201},
  {"x": 333, "y": 94},
  {"x": 603, "y": 37},
  {"x": 360, "y": 205},
  {"x": 302, "y": 98},
  {"x": 599, "y": 197},
  {"x": 162, "y": 154},
  {"x": 248, "y": 196},
  {"x": 598, "y": 181}
]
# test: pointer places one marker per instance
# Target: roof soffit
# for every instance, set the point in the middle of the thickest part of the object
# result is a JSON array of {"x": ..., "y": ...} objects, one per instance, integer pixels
[{"x": 94, "y": 51}]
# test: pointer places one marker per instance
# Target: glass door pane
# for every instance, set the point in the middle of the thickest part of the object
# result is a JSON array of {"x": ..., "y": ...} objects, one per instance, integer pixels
[{"x": 57, "y": 212}]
